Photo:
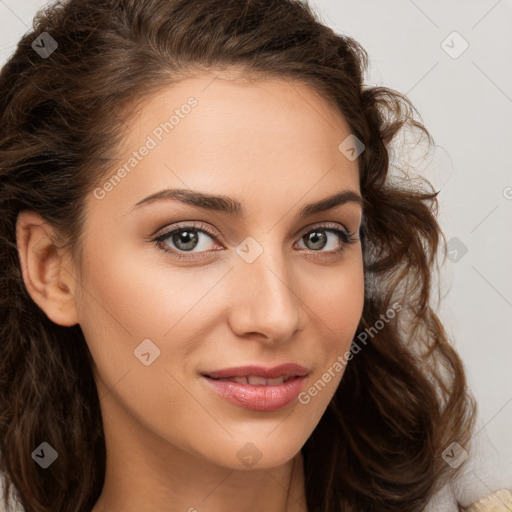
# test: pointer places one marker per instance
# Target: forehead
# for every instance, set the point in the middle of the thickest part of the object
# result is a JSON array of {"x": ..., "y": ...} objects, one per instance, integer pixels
[
  {"x": 269, "y": 138},
  {"x": 274, "y": 105}
]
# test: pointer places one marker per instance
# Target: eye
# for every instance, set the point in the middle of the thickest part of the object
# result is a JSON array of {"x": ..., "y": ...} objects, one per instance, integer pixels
[
  {"x": 184, "y": 239},
  {"x": 198, "y": 240},
  {"x": 319, "y": 238},
  {"x": 328, "y": 236}
]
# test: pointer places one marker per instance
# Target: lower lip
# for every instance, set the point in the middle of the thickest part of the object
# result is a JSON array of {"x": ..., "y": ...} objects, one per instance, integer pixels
[{"x": 258, "y": 398}]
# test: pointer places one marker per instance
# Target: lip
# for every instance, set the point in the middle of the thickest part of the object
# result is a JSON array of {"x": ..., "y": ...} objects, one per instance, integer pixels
[
  {"x": 283, "y": 370},
  {"x": 263, "y": 398}
]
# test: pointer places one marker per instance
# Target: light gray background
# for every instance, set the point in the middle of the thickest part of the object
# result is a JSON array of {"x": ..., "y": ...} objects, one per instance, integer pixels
[{"x": 466, "y": 103}]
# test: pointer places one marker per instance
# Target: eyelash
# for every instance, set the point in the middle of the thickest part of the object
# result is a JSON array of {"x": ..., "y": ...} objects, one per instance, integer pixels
[{"x": 346, "y": 237}]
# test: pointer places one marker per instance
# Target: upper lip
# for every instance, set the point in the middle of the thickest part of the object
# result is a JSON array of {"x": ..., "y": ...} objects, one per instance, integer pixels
[{"x": 283, "y": 370}]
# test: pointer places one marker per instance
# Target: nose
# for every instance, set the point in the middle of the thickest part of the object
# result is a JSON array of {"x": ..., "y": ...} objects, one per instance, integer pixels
[{"x": 265, "y": 298}]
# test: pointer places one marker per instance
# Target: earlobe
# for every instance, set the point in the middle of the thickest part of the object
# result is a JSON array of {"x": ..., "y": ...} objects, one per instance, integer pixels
[{"x": 48, "y": 281}]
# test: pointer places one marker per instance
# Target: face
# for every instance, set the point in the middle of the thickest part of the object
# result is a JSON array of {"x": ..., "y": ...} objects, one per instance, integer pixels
[{"x": 176, "y": 286}]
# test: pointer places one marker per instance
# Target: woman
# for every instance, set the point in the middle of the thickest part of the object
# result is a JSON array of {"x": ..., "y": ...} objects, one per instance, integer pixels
[{"x": 216, "y": 294}]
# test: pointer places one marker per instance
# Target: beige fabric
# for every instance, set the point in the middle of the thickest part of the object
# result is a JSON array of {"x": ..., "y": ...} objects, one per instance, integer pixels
[{"x": 500, "y": 501}]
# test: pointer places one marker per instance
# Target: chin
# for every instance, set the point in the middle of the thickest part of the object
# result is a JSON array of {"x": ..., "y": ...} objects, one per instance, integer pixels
[{"x": 255, "y": 451}]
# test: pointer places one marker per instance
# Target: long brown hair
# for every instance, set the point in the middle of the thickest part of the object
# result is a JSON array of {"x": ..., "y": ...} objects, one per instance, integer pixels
[{"x": 403, "y": 398}]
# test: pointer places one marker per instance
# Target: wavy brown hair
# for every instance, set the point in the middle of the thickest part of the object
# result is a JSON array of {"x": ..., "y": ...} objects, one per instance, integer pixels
[{"x": 402, "y": 400}]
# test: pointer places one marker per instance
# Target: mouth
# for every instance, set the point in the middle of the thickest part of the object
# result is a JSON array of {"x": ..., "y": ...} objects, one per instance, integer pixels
[{"x": 258, "y": 388}]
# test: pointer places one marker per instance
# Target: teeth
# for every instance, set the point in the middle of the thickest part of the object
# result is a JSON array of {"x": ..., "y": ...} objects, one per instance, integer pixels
[
  {"x": 257, "y": 381},
  {"x": 276, "y": 381}
]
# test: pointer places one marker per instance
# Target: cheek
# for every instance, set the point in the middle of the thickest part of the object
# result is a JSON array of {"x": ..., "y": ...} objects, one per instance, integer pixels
[
  {"x": 130, "y": 296},
  {"x": 336, "y": 302},
  {"x": 139, "y": 295},
  {"x": 125, "y": 302},
  {"x": 336, "y": 305}
]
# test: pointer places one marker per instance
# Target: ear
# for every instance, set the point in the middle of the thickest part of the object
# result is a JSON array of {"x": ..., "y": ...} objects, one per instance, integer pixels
[{"x": 50, "y": 282}]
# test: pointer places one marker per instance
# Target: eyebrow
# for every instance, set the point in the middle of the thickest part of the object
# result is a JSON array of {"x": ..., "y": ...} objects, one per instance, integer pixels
[{"x": 230, "y": 206}]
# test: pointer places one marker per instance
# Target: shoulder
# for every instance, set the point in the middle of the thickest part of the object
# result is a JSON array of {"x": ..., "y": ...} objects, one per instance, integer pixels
[{"x": 499, "y": 501}]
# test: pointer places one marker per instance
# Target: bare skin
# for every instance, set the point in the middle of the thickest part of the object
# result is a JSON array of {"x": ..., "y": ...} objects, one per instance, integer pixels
[{"x": 172, "y": 443}]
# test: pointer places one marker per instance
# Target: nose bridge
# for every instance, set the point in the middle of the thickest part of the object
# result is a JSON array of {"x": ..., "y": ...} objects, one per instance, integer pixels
[{"x": 267, "y": 300}]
